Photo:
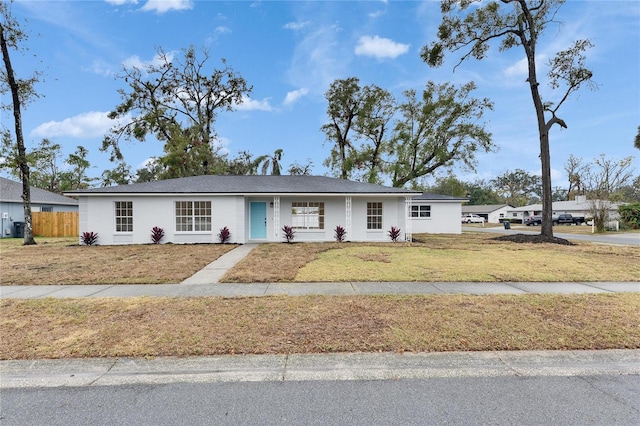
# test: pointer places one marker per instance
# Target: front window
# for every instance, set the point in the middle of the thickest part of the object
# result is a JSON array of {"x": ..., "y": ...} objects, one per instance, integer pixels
[
  {"x": 307, "y": 215},
  {"x": 374, "y": 215},
  {"x": 124, "y": 216},
  {"x": 193, "y": 216},
  {"x": 420, "y": 211}
]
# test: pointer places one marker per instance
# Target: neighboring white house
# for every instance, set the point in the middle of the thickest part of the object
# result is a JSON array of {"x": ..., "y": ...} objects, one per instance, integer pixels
[
  {"x": 253, "y": 208},
  {"x": 12, "y": 209},
  {"x": 436, "y": 214},
  {"x": 580, "y": 206},
  {"x": 492, "y": 213}
]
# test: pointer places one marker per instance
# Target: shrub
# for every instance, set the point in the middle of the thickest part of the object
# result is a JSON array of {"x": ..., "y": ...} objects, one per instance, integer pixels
[
  {"x": 288, "y": 233},
  {"x": 89, "y": 238},
  {"x": 224, "y": 235},
  {"x": 630, "y": 215},
  {"x": 394, "y": 234},
  {"x": 157, "y": 234},
  {"x": 340, "y": 234}
]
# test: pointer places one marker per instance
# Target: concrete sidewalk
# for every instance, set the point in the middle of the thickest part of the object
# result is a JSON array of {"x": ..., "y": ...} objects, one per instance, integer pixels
[
  {"x": 303, "y": 289},
  {"x": 297, "y": 367}
]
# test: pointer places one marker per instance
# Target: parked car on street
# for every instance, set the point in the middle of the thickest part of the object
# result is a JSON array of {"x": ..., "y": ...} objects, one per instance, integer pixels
[
  {"x": 533, "y": 220},
  {"x": 567, "y": 219},
  {"x": 472, "y": 218}
]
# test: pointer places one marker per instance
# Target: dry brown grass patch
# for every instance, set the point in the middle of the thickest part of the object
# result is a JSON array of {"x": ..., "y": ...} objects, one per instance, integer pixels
[
  {"x": 467, "y": 257},
  {"x": 58, "y": 263},
  {"x": 140, "y": 327}
]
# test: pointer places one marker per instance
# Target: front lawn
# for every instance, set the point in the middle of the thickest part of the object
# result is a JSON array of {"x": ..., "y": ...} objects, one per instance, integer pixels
[
  {"x": 467, "y": 257},
  {"x": 142, "y": 327},
  {"x": 63, "y": 261}
]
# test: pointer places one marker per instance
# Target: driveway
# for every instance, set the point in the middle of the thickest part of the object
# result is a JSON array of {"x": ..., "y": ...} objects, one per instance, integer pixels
[{"x": 626, "y": 238}]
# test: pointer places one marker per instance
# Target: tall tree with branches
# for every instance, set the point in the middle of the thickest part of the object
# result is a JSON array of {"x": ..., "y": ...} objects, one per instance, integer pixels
[
  {"x": 470, "y": 27},
  {"x": 344, "y": 103},
  {"x": 441, "y": 127},
  {"x": 22, "y": 90},
  {"x": 177, "y": 100}
]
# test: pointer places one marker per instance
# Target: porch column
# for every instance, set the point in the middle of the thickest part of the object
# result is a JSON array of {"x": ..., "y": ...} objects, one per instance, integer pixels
[
  {"x": 276, "y": 217},
  {"x": 407, "y": 219},
  {"x": 347, "y": 208}
]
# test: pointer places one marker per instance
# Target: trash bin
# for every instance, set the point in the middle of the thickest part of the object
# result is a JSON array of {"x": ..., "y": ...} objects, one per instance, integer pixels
[
  {"x": 507, "y": 225},
  {"x": 19, "y": 226}
]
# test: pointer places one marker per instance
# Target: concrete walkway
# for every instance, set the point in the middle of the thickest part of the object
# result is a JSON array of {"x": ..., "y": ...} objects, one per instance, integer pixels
[{"x": 212, "y": 273}]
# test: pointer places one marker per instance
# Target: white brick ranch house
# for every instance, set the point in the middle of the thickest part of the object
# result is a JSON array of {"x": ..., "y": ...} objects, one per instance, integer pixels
[{"x": 253, "y": 208}]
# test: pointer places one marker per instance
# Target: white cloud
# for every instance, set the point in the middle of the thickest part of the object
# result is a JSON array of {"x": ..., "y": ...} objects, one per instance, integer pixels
[
  {"x": 521, "y": 68},
  {"x": 86, "y": 125},
  {"x": 380, "y": 48},
  {"x": 292, "y": 97},
  {"x": 135, "y": 61},
  {"x": 319, "y": 58},
  {"x": 101, "y": 68},
  {"x": 248, "y": 104},
  {"x": 296, "y": 25},
  {"x": 121, "y": 2},
  {"x": 162, "y": 6},
  {"x": 222, "y": 30}
]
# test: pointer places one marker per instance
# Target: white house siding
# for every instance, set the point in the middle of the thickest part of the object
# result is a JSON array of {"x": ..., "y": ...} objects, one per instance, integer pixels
[
  {"x": 334, "y": 215},
  {"x": 496, "y": 215},
  {"x": 445, "y": 218},
  {"x": 97, "y": 214},
  {"x": 392, "y": 215}
]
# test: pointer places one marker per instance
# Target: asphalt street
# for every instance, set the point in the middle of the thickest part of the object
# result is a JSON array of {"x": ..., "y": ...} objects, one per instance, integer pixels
[
  {"x": 625, "y": 238},
  {"x": 458, "y": 388},
  {"x": 511, "y": 400}
]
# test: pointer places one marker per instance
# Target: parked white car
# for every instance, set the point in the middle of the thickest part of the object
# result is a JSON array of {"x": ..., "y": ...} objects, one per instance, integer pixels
[{"x": 472, "y": 218}]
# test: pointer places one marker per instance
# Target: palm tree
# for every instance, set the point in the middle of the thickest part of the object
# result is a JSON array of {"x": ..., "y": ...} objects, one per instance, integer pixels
[{"x": 272, "y": 161}]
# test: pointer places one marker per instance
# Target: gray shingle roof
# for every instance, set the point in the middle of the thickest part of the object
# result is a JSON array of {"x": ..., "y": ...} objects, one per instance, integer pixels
[
  {"x": 214, "y": 184},
  {"x": 438, "y": 197},
  {"x": 11, "y": 192},
  {"x": 483, "y": 208}
]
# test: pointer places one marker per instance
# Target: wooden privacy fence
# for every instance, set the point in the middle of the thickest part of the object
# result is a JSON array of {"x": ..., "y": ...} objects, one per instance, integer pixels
[{"x": 55, "y": 224}]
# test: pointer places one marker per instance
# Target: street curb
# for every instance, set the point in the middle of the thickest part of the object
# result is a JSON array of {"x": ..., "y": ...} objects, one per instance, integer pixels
[{"x": 313, "y": 367}]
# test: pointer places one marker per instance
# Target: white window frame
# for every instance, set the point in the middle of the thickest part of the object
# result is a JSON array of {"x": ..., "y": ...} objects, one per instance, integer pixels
[
  {"x": 192, "y": 216},
  {"x": 421, "y": 211},
  {"x": 375, "y": 212},
  {"x": 123, "y": 213},
  {"x": 305, "y": 217}
]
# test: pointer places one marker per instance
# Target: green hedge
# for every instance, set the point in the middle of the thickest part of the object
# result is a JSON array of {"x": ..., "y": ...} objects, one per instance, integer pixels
[{"x": 630, "y": 215}]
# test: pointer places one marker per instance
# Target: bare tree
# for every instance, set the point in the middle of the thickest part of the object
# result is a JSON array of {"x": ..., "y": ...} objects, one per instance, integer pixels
[
  {"x": 575, "y": 169},
  {"x": 603, "y": 180}
]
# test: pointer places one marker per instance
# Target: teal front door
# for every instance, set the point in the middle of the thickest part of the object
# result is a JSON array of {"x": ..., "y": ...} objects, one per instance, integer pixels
[{"x": 258, "y": 213}]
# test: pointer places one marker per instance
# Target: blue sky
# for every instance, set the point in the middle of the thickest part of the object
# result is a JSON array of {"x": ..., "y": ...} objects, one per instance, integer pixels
[{"x": 290, "y": 52}]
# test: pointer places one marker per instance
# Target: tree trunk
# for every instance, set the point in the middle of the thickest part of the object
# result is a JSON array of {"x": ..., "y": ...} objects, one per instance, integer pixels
[
  {"x": 547, "y": 206},
  {"x": 22, "y": 158},
  {"x": 543, "y": 129}
]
